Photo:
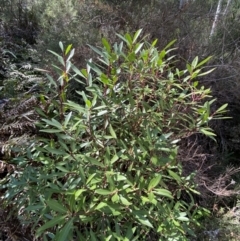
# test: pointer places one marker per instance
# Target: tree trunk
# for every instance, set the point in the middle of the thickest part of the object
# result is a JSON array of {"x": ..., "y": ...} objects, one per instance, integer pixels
[
  {"x": 218, "y": 11},
  {"x": 226, "y": 8}
]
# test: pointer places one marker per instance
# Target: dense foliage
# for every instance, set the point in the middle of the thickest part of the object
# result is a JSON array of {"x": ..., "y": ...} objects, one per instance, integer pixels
[
  {"x": 138, "y": 115},
  {"x": 107, "y": 170}
]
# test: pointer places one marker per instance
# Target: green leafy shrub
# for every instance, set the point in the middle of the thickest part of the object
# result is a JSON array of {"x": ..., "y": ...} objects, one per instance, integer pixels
[{"x": 108, "y": 169}]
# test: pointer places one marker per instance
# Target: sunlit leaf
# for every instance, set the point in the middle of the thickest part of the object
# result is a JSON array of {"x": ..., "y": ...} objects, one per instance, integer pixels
[
  {"x": 154, "y": 182},
  {"x": 106, "y": 44},
  {"x": 204, "y": 61},
  {"x": 69, "y": 47},
  {"x": 79, "y": 192},
  {"x": 136, "y": 35},
  {"x": 103, "y": 191},
  {"x": 143, "y": 220},
  {"x": 175, "y": 176},
  {"x": 124, "y": 201},
  {"x": 71, "y": 55},
  {"x": 112, "y": 131},
  {"x": 195, "y": 62},
  {"x": 163, "y": 192},
  {"x": 207, "y": 72}
]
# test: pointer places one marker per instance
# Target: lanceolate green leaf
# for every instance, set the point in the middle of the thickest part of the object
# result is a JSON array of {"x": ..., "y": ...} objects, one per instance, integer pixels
[
  {"x": 142, "y": 219},
  {"x": 67, "y": 118},
  {"x": 54, "y": 222},
  {"x": 61, "y": 46},
  {"x": 163, "y": 192},
  {"x": 125, "y": 201},
  {"x": 92, "y": 161},
  {"x": 106, "y": 45},
  {"x": 204, "y": 61},
  {"x": 222, "y": 108},
  {"x": 112, "y": 131},
  {"x": 195, "y": 62},
  {"x": 56, "y": 206},
  {"x": 154, "y": 182},
  {"x": 207, "y": 132},
  {"x": 175, "y": 176},
  {"x": 53, "y": 122},
  {"x": 136, "y": 35},
  {"x": 64, "y": 233},
  {"x": 69, "y": 47},
  {"x": 103, "y": 191}
]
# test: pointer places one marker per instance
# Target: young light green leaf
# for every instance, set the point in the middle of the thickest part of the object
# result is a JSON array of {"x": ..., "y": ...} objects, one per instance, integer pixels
[
  {"x": 114, "y": 159},
  {"x": 222, "y": 108},
  {"x": 88, "y": 103},
  {"x": 78, "y": 193},
  {"x": 154, "y": 182},
  {"x": 101, "y": 205},
  {"x": 69, "y": 47},
  {"x": 106, "y": 45},
  {"x": 124, "y": 201},
  {"x": 115, "y": 198},
  {"x": 90, "y": 178},
  {"x": 170, "y": 44},
  {"x": 207, "y": 72},
  {"x": 136, "y": 35},
  {"x": 194, "y": 62},
  {"x": 138, "y": 47},
  {"x": 128, "y": 37},
  {"x": 120, "y": 177},
  {"x": 207, "y": 132},
  {"x": 112, "y": 132},
  {"x": 184, "y": 219},
  {"x": 204, "y": 61},
  {"x": 163, "y": 192},
  {"x": 103, "y": 191}
]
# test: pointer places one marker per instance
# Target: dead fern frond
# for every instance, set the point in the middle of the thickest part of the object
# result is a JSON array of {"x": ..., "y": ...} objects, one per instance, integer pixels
[
  {"x": 222, "y": 186},
  {"x": 17, "y": 124}
]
